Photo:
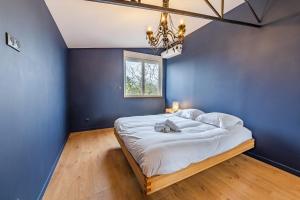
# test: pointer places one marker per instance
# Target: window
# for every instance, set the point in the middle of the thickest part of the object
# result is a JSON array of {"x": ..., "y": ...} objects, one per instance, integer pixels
[{"x": 142, "y": 75}]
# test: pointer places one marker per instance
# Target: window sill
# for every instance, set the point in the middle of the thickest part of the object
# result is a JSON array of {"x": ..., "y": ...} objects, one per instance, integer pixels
[{"x": 142, "y": 97}]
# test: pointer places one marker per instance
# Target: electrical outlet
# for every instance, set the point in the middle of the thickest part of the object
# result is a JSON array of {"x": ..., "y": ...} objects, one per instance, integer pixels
[{"x": 13, "y": 42}]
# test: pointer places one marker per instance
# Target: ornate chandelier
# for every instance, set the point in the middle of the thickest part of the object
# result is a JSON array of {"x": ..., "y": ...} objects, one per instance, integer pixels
[{"x": 167, "y": 35}]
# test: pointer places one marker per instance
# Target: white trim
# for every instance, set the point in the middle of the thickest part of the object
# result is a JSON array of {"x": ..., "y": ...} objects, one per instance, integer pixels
[
  {"x": 142, "y": 56},
  {"x": 131, "y": 54}
]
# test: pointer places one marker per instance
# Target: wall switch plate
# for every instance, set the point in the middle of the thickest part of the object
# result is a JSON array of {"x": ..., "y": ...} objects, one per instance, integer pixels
[{"x": 13, "y": 42}]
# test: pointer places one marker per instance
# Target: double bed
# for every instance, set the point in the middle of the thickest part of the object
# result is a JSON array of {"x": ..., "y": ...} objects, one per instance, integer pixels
[{"x": 162, "y": 159}]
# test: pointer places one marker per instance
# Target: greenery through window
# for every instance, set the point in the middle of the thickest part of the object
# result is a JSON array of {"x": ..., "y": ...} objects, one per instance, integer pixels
[{"x": 143, "y": 75}]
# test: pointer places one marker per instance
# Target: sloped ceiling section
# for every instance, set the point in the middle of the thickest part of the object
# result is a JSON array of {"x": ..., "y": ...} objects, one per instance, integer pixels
[{"x": 85, "y": 24}]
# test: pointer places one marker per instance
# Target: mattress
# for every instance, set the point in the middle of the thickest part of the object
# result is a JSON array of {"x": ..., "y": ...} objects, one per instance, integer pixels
[{"x": 164, "y": 153}]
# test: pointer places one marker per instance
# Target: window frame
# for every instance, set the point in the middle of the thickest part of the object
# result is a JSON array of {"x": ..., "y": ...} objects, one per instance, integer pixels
[{"x": 130, "y": 55}]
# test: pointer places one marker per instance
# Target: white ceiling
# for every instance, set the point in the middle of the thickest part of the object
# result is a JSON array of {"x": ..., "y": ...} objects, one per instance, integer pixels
[{"x": 86, "y": 24}]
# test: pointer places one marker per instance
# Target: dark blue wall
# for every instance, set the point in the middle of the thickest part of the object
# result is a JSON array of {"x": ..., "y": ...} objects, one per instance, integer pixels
[
  {"x": 96, "y": 90},
  {"x": 249, "y": 72},
  {"x": 32, "y": 99}
]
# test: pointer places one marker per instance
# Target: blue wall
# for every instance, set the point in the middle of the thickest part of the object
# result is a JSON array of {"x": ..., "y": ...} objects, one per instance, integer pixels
[
  {"x": 96, "y": 90},
  {"x": 249, "y": 72},
  {"x": 32, "y": 99}
]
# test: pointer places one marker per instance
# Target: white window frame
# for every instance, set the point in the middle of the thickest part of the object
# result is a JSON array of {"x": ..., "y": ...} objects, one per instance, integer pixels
[{"x": 145, "y": 57}]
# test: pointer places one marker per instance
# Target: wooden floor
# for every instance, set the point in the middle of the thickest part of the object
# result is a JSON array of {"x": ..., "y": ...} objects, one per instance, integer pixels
[{"x": 92, "y": 166}]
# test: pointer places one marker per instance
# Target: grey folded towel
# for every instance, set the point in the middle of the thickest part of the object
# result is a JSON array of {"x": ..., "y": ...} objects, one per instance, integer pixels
[
  {"x": 172, "y": 126},
  {"x": 166, "y": 127},
  {"x": 162, "y": 127}
]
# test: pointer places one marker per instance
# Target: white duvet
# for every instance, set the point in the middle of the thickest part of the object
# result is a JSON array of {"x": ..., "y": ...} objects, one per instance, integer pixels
[{"x": 164, "y": 153}]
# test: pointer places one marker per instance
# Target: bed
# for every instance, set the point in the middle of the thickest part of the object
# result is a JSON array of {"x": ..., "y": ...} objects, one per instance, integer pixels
[{"x": 162, "y": 159}]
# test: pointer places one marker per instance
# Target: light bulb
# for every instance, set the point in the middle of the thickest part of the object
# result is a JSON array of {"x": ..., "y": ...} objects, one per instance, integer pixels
[
  {"x": 149, "y": 28},
  {"x": 175, "y": 106},
  {"x": 181, "y": 22}
]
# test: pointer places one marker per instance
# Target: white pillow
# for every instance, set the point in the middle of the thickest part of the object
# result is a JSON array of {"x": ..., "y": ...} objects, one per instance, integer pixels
[
  {"x": 220, "y": 120},
  {"x": 189, "y": 113}
]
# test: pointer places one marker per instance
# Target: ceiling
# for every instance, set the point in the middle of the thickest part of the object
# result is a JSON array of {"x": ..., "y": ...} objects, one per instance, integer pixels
[{"x": 86, "y": 24}]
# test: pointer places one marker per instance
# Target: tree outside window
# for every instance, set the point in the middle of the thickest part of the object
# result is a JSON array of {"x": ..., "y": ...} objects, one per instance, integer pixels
[{"x": 143, "y": 75}]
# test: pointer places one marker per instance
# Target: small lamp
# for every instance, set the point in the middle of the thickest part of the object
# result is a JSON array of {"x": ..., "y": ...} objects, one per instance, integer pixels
[{"x": 175, "y": 106}]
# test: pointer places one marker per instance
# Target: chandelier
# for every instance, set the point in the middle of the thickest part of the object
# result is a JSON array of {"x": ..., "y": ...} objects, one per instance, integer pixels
[{"x": 167, "y": 35}]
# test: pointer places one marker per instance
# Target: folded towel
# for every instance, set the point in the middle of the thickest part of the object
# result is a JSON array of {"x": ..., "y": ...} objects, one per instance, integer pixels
[
  {"x": 162, "y": 127},
  {"x": 166, "y": 127},
  {"x": 172, "y": 126}
]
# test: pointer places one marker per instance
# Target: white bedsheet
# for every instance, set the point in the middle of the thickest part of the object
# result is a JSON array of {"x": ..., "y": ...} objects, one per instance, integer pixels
[{"x": 164, "y": 153}]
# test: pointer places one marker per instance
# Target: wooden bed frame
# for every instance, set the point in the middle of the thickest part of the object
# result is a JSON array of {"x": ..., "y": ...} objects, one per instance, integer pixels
[{"x": 156, "y": 183}]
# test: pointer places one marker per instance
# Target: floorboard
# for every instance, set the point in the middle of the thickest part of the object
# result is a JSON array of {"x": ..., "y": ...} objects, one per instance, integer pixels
[{"x": 93, "y": 167}]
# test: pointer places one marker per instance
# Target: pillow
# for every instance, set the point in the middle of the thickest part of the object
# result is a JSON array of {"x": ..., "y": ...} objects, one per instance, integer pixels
[
  {"x": 189, "y": 113},
  {"x": 220, "y": 120}
]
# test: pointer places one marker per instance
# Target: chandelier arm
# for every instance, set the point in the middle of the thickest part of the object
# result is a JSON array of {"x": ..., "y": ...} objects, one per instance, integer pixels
[
  {"x": 158, "y": 44},
  {"x": 172, "y": 33},
  {"x": 173, "y": 37},
  {"x": 159, "y": 35},
  {"x": 157, "y": 39},
  {"x": 159, "y": 31}
]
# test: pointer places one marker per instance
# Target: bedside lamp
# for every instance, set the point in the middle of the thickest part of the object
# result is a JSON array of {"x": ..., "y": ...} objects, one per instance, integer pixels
[{"x": 175, "y": 106}]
